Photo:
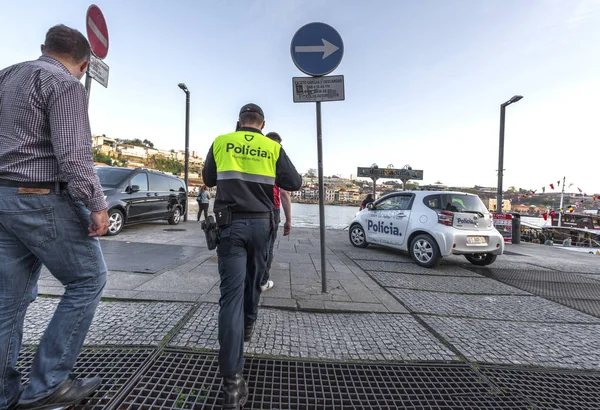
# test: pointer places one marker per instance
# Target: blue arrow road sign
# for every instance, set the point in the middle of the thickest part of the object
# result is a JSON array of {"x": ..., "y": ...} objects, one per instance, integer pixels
[{"x": 317, "y": 49}]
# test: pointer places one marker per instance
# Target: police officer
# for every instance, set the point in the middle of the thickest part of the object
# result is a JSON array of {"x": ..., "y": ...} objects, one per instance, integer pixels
[{"x": 244, "y": 165}]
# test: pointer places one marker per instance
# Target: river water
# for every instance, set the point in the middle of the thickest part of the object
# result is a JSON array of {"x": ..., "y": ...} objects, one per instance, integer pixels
[{"x": 305, "y": 215}]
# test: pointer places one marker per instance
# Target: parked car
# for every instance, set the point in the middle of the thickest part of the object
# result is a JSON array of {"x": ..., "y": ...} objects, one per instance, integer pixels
[
  {"x": 140, "y": 195},
  {"x": 430, "y": 225}
]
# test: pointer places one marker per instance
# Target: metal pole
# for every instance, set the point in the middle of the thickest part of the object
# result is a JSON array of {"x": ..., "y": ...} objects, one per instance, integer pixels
[
  {"x": 88, "y": 83},
  {"x": 187, "y": 149},
  {"x": 562, "y": 195},
  {"x": 321, "y": 200},
  {"x": 500, "y": 159},
  {"x": 374, "y": 188}
]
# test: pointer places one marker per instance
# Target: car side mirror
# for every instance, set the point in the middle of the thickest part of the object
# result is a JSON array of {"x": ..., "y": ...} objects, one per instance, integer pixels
[
  {"x": 370, "y": 206},
  {"x": 134, "y": 188}
]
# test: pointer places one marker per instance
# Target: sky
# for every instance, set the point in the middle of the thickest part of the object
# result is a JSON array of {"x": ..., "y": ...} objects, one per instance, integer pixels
[{"x": 424, "y": 80}]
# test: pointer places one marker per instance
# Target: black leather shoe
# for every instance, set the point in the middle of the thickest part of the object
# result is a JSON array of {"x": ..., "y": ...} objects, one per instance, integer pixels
[
  {"x": 248, "y": 330},
  {"x": 235, "y": 392},
  {"x": 69, "y": 393}
]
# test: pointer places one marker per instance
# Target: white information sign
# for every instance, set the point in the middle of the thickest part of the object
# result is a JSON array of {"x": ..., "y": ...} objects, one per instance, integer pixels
[
  {"x": 98, "y": 70},
  {"x": 318, "y": 89}
]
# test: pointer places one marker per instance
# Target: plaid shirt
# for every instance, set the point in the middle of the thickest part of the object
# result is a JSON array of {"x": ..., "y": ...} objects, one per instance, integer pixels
[{"x": 45, "y": 130}]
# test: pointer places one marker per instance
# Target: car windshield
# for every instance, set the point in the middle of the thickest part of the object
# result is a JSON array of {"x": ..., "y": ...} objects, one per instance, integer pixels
[
  {"x": 463, "y": 203},
  {"x": 111, "y": 177}
]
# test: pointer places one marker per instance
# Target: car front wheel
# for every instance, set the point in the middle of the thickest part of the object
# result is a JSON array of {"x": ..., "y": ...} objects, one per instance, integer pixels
[
  {"x": 481, "y": 259},
  {"x": 115, "y": 222},
  {"x": 176, "y": 217},
  {"x": 358, "y": 237},
  {"x": 425, "y": 251}
]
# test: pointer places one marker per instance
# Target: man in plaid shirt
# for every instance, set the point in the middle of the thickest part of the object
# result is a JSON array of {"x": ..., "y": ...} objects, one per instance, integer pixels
[{"x": 52, "y": 211}]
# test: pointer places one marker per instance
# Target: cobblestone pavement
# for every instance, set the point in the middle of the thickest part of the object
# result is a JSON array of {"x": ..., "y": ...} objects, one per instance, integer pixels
[
  {"x": 323, "y": 336},
  {"x": 497, "y": 307},
  {"x": 535, "y": 344},
  {"x": 454, "y": 284},
  {"x": 115, "y": 323},
  {"x": 411, "y": 267}
]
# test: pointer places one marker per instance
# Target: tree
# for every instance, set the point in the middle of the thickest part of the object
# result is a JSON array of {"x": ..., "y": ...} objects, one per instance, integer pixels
[
  {"x": 148, "y": 143},
  {"x": 102, "y": 157},
  {"x": 311, "y": 173}
]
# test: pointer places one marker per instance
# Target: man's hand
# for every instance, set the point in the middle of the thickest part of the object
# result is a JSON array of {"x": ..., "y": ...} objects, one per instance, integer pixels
[
  {"x": 287, "y": 228},
  {"x": 99, "y": 224}
]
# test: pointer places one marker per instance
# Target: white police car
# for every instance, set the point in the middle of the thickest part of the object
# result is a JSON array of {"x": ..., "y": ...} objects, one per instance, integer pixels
[{"x": 430, "y": 225}]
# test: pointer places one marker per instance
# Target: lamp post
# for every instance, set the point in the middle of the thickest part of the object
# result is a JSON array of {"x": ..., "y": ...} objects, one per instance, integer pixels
[
  {"x": 501, "y": 149},
  {"x": 187, "y": 144}
]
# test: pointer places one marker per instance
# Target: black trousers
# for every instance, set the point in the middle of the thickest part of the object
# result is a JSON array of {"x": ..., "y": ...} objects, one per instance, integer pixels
[
  {"x": 202, "y": 208},
  {"x": 243, "y": 251}
]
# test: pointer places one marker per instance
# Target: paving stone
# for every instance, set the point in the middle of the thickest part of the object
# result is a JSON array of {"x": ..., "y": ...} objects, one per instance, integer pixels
[
  {"x": 115, "y": 323},
  {"x": 570, "y": 346},
  {"x": 451, "y": 284},
  {"x": 498, "y": 307},
  {"x": 399, "y": 267},
  {"x": 316, "y": 335},
  {"x": 380, "y": 254}
]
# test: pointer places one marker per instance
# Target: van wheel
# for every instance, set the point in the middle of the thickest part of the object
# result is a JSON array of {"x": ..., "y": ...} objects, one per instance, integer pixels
[
  {"x": 176, "y": 217},
  {"x": 425, "y": 251},
  {"x": 115, "y": 222},
  {"x": 481, "y": 259},
  {"x": 357, "y": 236}
]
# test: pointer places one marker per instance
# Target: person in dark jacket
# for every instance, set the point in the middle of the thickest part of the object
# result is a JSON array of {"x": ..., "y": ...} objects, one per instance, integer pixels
[
  {"x": 366, "y": 201},
  {"x": 244, "y": 165}
]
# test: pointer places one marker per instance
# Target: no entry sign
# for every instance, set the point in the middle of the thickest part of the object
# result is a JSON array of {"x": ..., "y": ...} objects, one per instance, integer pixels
[{"x": 96, "y": 31}]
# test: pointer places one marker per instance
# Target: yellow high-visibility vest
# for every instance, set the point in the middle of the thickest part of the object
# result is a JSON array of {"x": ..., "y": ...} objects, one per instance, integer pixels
[{"x": 247, "y": 156}]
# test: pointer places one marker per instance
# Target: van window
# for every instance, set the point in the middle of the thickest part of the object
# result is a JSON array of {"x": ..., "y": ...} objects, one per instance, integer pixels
[
  {"x": 159, "y": 183},
  {"x": 140, "y": 180},
  {"x": 112, "y": 177},
  {"x": 176, "y": 185}
]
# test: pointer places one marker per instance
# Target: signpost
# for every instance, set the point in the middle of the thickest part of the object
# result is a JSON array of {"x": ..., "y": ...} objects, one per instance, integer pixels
[
  {"x": 318, "y": 89},
  {"x": 97, "y": 33},
  {"x": 98, "y": 70},
  {"x": 403, "y": 174},
  {"x": 317, "y": 49}
]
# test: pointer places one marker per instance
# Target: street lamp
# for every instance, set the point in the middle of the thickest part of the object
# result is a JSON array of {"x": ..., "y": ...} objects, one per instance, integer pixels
[
  {"x": 187, "y": 143},
  {"x": 501, "y": 149}
]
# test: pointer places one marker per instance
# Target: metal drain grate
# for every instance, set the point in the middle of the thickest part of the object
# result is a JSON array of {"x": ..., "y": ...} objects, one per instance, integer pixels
[
  {"x": 549, "y": 389},
  {"x": 505, "y": 275},
  {"x": 186, "y": 380},
  {"x": 175, "y": 230},
  {"x": 114, "y": 366}
]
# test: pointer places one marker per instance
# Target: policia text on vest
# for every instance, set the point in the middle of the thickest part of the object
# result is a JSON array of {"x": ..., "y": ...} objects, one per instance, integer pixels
[{"x": 244, "y": 165}]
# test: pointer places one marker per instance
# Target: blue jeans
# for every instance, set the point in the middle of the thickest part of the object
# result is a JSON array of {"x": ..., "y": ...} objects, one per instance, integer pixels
[
  {"x": 52, "y": 230},
  {"x": 243, "y": 252}
]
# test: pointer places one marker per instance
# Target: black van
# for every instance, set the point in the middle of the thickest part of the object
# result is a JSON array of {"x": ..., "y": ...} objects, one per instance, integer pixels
[{"x": 140, "y": 195}]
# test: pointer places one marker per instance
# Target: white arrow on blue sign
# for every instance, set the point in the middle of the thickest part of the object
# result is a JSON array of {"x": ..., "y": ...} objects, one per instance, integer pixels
[{"x": 317, "y": 49}]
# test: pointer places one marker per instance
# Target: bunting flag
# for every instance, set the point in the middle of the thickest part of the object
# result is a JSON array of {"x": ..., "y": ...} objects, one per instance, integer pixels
[
  {"x": 570, "y": 185},
  {"x": 579, "y": 189},
  {"x": 544, "y": 189},
  {"x": 545, "y": 216},
  {"x": 558, "y": 183},
  {"x": 533, "y": 192},
  {"x": 552, "y": 186}
]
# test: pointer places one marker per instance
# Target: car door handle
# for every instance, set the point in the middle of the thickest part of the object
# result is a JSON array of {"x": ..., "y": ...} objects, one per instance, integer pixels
[
  {"x": 156, "y": 194},
  {"x": 148, "y": 194},
  {"x": 401, "y": 216}
]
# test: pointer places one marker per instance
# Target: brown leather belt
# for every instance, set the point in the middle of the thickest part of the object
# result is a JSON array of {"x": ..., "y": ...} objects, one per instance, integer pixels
[{"x": 41, "y": 185}]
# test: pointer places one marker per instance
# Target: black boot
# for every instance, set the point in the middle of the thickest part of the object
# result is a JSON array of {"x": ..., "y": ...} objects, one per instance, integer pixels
[
  {"x": 248, "y": 330},
  {"x": 235, "y": 392}
]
